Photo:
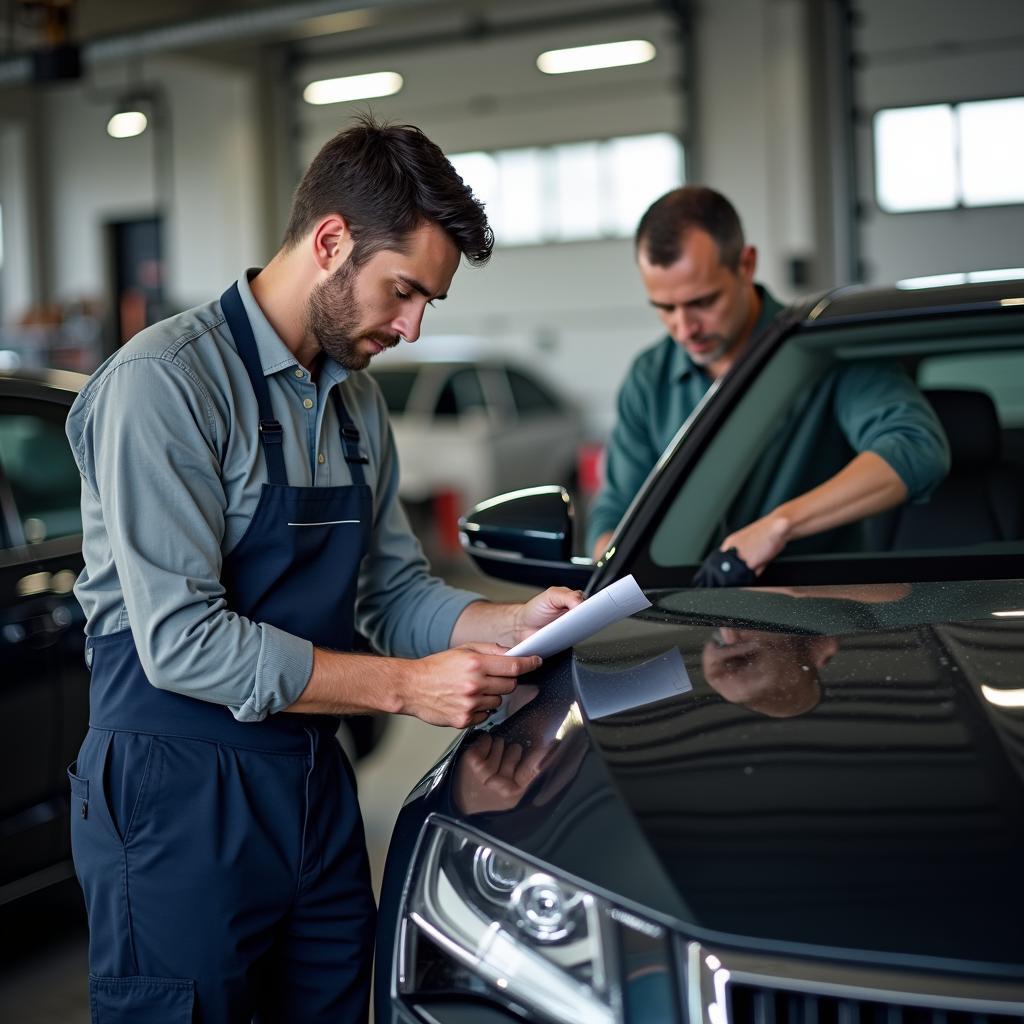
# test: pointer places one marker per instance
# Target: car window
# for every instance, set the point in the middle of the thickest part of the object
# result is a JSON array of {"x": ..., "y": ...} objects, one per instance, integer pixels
[
  {"x": 395, "y": 386},
  {"x": 39, "y": 470},
  {"x": 529, "y": 396},
  {"x": 998, "y": 374},
  {"x": 795, "y": 425},
  {"x": 460, "y": 394}
]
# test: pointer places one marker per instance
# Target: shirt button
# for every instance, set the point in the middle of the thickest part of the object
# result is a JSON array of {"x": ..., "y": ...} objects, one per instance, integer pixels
[
  {"x": 300, "y": 374},
  {"x": 321, "y": 458},
  {"x": 307, "y": 403}
]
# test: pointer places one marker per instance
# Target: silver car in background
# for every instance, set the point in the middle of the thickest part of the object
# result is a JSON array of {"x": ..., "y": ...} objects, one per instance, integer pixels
[{"x": 473, "y": 428}]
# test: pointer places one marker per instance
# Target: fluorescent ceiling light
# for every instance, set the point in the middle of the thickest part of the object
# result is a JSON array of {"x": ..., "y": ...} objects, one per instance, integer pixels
[
  {"x": 353, "y": 87},
  {"x": 1003, "y": 698},
  {"x": 1015, "y": 613},
  {"x": 127, "y": 124},
  {"x": 589, "y": 58}
]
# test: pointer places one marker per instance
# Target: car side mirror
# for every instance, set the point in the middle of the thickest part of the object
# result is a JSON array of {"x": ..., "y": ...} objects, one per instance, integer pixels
[{"x": 526, "y": 537}]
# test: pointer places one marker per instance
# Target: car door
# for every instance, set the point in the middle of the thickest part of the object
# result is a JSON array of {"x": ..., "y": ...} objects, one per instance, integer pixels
[{"x": 44, "y": 690}]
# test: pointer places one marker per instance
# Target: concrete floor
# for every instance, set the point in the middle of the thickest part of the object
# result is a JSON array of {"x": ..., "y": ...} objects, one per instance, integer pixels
[{"x": 44, "y": 939}]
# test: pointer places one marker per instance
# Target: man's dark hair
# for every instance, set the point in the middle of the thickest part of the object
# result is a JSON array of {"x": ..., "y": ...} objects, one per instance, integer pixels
[
  {"x": 386, "y": 180},
  {"x": 663, "y": 227}
]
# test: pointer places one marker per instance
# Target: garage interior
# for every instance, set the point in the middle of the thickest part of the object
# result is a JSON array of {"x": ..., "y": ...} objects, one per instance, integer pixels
[{"x": 823, "y": 120}]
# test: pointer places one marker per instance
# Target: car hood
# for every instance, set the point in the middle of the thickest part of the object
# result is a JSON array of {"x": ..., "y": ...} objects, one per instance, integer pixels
[{"x": 839, "y": 768}]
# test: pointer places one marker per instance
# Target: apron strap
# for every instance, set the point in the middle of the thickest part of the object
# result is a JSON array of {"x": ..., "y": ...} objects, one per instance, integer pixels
[
  {"x": 349, "y": 439},
  {"x": 271, "y": 433}
]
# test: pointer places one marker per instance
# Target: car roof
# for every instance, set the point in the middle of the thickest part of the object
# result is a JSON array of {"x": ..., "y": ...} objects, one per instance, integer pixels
[{"x": 860, "y": 304}]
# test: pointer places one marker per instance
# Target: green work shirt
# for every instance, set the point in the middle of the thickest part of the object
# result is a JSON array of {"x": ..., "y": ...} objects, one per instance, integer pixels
[{"x": 663, "y": 387}]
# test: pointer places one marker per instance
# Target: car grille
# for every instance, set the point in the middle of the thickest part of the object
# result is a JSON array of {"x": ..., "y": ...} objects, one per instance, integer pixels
[{"x": 752, "y": 1004}]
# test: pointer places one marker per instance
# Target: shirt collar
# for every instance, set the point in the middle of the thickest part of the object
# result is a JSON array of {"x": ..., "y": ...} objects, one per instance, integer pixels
[{"x": 274, "y": 354}]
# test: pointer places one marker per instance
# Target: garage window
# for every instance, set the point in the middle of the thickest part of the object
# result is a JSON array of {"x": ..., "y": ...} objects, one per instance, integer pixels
[
  {"x": 574, "y": 192},
  {"x": 943, "y": 156}
]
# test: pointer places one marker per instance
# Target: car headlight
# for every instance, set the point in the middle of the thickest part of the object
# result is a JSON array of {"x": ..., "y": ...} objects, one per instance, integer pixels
[{"x": 482, "y": 921}]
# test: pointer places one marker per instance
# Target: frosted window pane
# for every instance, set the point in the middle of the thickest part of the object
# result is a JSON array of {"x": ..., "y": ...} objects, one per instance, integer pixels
[
  {"x": 640, "y": 170},
  {"x": 480, "y": 172},
  {"x": 521, "y": 182},
  {"x": 915, "y": 159},
  {"x": 992, "y": 152},
  {"x": 576, "y": 212}
]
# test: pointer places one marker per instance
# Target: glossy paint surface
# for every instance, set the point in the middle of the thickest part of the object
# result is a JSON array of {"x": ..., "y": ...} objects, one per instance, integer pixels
[{"x": 807, "y": 768}]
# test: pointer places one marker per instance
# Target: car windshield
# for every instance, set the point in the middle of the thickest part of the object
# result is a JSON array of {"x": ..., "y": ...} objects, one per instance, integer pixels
[
  {"x": 396, "y": 386},
  {"x": 831, "y": 390}
]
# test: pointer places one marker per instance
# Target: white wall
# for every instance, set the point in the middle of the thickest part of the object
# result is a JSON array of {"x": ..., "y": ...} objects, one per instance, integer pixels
[
  {"x": 753, "y": 112},
  {"x": 935, "y": 51},
  {"x": 17, "y": 288},
  {"x": 214, "y": 226}
]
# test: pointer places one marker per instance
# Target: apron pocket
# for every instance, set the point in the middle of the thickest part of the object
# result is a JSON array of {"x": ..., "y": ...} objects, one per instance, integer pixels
[
  {"x": 79, "y": 792},
  {"x": 133, "y": 1000}
]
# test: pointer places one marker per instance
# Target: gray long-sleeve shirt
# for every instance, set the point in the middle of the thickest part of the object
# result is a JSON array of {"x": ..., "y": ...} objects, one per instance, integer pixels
[{"x": 165, "y": 436}]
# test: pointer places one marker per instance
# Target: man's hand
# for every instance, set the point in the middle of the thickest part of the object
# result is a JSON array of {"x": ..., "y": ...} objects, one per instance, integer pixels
[
  {"x": 544, "y": 608},
  {"x": 492, "y": 775},
  {"x": 462, "y": 686},
  {"x": 760, "y": 542}
]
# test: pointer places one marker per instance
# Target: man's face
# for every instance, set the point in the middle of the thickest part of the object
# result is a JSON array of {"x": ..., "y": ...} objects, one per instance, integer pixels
[
  {"x": 706, "y": 307},
  {"x": 357, "y": 313}
]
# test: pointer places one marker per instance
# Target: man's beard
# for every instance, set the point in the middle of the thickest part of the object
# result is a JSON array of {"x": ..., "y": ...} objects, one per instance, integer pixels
[
  {"x": 723, "y": 348},
  {"x": 333, "y": 318}
]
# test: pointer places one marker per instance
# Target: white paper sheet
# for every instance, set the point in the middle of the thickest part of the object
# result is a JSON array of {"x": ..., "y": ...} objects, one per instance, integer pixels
[{"x": 617, "y": 601}]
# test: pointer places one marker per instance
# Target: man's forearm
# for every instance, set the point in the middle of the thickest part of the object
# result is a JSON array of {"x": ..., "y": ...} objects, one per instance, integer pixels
[
  {"x": 488, "y": 621},
  {"x": 863, "y": 487},
  {"x": 867, "y": 484},
  {"x": 352, "y": 684}
]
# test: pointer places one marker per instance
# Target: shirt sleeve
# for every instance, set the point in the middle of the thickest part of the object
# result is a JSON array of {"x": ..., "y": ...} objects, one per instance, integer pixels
[
  {"x": 401, "y": 608},
  {"x": 148, "y": 452},
  {"x": 880, "y": 410},
  {"x": 630, "y": 457}
]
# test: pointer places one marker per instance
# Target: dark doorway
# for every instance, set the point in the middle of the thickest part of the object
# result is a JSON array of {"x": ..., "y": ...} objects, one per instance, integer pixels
[{"x": 137, "y": 274}]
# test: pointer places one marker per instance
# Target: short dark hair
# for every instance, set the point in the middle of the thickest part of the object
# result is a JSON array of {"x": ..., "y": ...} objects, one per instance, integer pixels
[
  {"x": 385, "y": 180},
  {"x": 663, "y": 227}
]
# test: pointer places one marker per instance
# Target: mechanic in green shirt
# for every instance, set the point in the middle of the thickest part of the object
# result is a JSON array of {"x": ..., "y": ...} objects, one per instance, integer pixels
[{"x": 863, "y": 441}]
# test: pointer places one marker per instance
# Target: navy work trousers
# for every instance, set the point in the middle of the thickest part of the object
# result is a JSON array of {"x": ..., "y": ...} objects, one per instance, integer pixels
[{"x": 213, "y": 875}]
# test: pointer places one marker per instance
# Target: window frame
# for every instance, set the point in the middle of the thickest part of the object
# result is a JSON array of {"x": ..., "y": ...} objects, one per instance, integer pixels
[{"x": 630, "y": 545}]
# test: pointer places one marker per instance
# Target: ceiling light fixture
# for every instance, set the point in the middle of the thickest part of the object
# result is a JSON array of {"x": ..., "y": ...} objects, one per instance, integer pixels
[
  {"x": 126, "y": 124},
  {"x": 353, "y": 87},
  {"x": 589, "y": 58}
]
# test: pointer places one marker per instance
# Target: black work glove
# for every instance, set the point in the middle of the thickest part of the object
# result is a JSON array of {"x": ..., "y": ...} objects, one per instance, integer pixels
[{"x": 724, "y": 569}]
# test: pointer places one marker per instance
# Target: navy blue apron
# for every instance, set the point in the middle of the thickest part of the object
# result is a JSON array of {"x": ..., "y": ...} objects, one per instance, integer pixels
[{"x": 223, "y": 863}]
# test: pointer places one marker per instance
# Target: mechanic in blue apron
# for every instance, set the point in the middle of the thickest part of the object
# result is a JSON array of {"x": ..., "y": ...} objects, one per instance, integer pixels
[
  {"x": 215, "y": 828},
  {"x": 282, "y": 788}
]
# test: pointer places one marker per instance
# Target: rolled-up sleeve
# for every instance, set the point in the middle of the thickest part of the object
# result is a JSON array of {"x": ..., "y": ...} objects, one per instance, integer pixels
[
  {"x": 401, "y": 608},
  {"x": 146, "y": 442},
  {"x": 880, "y": 410}
]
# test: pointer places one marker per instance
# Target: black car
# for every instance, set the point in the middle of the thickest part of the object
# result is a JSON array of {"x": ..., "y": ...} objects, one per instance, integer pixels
[
  {"x": 44, "y": 682},
  {"x": 44, "y": 706},
  {"x": 800, "y": 801}
]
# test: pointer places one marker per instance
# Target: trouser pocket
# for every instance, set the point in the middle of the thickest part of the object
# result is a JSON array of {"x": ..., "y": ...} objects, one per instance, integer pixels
[{"x": 141, "y": 1000}]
